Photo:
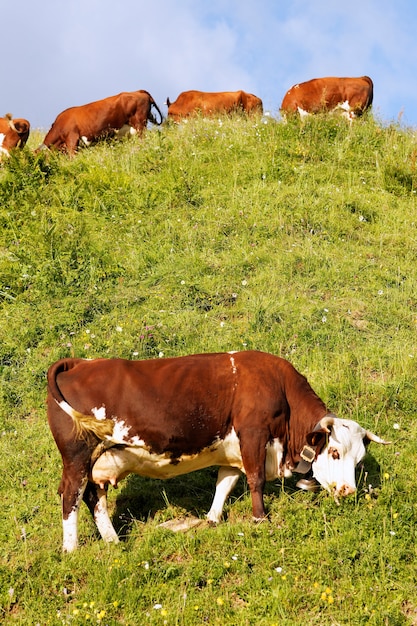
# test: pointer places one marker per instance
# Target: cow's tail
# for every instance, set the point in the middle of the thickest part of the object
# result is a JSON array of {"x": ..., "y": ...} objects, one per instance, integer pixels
[
  {"x": 83, "y": 424},
  {"x": 371, "y": 91},
  {"x": 152, "y": 117}
]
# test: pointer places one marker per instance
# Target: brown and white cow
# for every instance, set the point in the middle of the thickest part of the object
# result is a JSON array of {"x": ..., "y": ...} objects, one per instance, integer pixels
[
  {"x": 14, "y": 133},
  {"x": 126, "y": 113},
  {"x": 208, "y": 103},
  {"x": 247, "y": 412},
  {"x": 351, "y": 95}
]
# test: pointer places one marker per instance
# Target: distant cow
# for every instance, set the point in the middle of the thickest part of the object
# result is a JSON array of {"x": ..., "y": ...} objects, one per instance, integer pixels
[
  {"x": 128, "y": 112},
  {"x": 247, "y": 412},
  {"x": 14, "y": 133},
  {"x": 208, "y": 103},
  {"x": 352, "y": 95}
]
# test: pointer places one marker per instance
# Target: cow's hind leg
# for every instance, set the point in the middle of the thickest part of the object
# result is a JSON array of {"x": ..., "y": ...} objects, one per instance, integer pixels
[
  {"x": 227, "y": 478},
  {"x": 96, "y": 500},
  {"x": 72, "y": 492}
]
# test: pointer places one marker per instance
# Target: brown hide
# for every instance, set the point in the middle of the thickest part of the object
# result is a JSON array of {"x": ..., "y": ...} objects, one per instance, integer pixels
[
  {"x": 208, "y": 103},
  {"x": 104, "y": 117},
  {"x": 15, "y": 131},
  {"x": 326, "y": 94}
]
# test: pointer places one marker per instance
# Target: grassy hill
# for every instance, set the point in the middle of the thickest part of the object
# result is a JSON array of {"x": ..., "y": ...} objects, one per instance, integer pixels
[{"x": 220, "y": 234}]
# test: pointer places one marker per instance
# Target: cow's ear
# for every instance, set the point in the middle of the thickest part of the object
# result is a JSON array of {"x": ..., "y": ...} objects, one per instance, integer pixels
[{"x": 318, "y": 438}]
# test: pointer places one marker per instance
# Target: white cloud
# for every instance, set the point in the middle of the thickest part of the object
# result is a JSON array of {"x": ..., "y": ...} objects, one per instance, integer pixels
[{"x": 63, "y": 54}]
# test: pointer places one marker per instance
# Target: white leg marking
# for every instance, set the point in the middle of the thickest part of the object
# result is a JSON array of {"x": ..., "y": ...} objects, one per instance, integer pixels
[
  {"x": 226, "y": 481},
  {"x": 101, "y": 518},
  {"x": 70, "y": 528},
  {"x": 70, "y": 525}
]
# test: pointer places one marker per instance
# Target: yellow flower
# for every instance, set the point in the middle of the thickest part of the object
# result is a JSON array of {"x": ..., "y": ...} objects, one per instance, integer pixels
[
  {"x": 328, "y": 590},
  {"x": 220, "y": 601},
  {"x": 324, "y": 596},
  {"x": 164, "y": 612},
  {"x": 330, "y": 599},
  {"x": 386, "y": 475},
  {"x": 116, "y": 604}
]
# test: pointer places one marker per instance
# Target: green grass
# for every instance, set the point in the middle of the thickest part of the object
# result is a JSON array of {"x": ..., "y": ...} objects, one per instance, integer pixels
[{"x": 224, "y": 234}]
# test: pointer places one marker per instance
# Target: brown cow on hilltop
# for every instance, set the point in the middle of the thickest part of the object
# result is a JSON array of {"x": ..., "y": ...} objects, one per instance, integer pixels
[
  {"x": 352, "y": 95},
  {"x": 246, "y": 412},
  {"x": 126, "y": 113},
  {"x": 14, "y": 133},
  {"x": 208, "y": 103}
]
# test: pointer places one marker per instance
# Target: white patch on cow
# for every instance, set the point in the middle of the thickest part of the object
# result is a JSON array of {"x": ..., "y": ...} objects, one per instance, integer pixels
[
  {"x": 302, "y": 113},
  {"x": 67, "y": 408},
  {"x": 347, "y": 111},
  {"x": 99, "y": 413},
  {"x": 3, "y": 150},
  {"x": 85, "y": 141},
  {"x": 126, "y": 129},
  {"x": 114, "y": 464},
  {"x": 273, "y": 464},
  {"x": 120, "y": 432},
  {"x": 102, "y": 519},
  {"x": 338, "y": 474},
  {"x": 70, "y": 524},
  {"x": 344, "y": 105},
  {"x": 234, "y": 368}
]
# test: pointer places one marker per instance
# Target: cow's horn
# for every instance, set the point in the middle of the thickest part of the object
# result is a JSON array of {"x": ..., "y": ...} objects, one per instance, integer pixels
[
  {"x": 9, "y": 117},
  {"x": 326, "y": 422},
  {"x": 370, "y": 435}
]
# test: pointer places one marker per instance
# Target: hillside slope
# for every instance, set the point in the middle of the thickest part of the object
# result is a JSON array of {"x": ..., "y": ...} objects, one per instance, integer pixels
[{"x": 219, "y": 234}]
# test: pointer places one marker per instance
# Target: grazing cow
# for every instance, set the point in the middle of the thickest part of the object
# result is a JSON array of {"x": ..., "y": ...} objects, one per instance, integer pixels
[
  {"x": 126, "y": 113},
  {"x": 14, "y": 133},
  {"x": 206, "y": 103},
  {"x": 247, "y": 412},
  {"x": 352, "y": 95}
]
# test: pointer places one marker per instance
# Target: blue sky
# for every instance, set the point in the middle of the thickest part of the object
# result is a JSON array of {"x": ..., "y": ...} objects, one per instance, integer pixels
[{"x": 59, "y": 54}]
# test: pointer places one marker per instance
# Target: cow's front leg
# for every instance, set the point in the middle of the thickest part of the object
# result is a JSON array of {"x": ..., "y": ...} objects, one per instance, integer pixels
[
  {"x": 72, "y": 491},
  {"x": 253, "y": 450},
  {"x": 227, "y": 478},
  {"x": 96, "y": 500}
]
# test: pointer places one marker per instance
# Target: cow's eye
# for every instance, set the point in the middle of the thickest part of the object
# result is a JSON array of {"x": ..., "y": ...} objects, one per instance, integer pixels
[{"x": 334, "y": 453}]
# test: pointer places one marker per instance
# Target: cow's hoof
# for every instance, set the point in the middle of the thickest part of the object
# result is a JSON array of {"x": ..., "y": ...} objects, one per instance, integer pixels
[{"x": 308, "y": 484}]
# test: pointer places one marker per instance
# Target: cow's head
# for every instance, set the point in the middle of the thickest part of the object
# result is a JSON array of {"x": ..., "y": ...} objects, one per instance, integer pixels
[{"x": 341, "y": 446}]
